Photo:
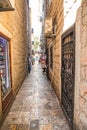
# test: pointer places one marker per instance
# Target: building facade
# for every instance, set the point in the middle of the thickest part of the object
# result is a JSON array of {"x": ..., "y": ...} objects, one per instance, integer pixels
[
  {"x": 13, "y": 52},
  {"x": 66, "y": 57},
  {"x": 30, "y": 32}
]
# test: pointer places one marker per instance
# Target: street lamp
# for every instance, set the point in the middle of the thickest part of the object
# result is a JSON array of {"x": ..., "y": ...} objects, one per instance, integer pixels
[{"x": 6, "y": 5}]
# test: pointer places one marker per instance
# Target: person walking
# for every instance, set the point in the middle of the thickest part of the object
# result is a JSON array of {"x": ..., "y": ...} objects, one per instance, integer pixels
[
  {"x": 43, "y": 62},
  {"x": 29, "y": 64}
]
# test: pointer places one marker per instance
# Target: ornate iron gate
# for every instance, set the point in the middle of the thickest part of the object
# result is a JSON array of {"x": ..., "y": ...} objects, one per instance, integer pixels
[{"x": 68, "y": 73}]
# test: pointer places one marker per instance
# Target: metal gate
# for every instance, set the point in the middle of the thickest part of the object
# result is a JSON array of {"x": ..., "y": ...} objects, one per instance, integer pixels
[
  {"x": 47, "y": 63},
  {"x": 68, "y": 73}
]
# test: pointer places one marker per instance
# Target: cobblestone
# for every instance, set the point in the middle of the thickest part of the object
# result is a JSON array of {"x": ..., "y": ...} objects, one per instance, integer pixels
[{"x": 36, "y": 106}]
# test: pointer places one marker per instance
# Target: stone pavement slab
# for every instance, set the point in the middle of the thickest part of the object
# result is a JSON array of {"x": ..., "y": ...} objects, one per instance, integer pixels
[
  {"x": 36, "y": 106},
  {"x": 34, "y": 125}
]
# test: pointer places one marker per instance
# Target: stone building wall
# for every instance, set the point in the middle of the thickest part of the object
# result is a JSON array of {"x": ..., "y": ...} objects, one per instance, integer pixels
[
  {"x": 56, "y": 12},
  {"x": 14, "y": 23},
  {"x": 80, "y": 91},
  {"x": 81, "y": 68},
  {"x": 29, "y": 28}
]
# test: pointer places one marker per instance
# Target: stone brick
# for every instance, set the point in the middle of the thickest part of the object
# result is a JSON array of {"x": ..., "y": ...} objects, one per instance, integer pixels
[
  {"x": 82, "y": 26},
  {"x": 46, "y": 127},
  {"x": 83, "y": 121},
  {"x": 83, "y": 89},
  {"x": 83, "y": 73}
]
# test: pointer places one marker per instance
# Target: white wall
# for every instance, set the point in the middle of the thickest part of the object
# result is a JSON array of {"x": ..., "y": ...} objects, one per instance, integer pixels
[{"x": 70, "y": 11}]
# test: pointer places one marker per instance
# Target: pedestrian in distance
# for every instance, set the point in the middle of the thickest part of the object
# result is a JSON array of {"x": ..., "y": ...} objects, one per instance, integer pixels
[
  {"x": 29, "y": 64},
  {"x": 43, "y": 63}
]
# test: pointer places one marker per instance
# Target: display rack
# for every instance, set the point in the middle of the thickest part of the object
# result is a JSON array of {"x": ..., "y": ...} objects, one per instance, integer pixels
[{"x": 4, "y": 66}]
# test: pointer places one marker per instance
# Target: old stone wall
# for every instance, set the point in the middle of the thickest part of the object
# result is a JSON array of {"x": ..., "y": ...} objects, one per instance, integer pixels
[
  {"x": 14, "y": 23},
  {"x": 80, "y": 90},
  {"x": 80, "y": 113},
  {"x": 56, "y": 12},
  {"x": 83, "y": 69}
]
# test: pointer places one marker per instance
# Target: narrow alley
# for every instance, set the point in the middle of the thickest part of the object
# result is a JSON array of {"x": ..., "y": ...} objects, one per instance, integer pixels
[{"x": 36, "y": 106}]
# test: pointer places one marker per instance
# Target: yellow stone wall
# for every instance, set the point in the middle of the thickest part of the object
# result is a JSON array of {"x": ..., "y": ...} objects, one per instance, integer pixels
[
  {"x": 56, "y": 12},
  {"x": 80, "y": 88},
  {"x": 80, "y": 112},
  {"x": 13, "y": 26}
]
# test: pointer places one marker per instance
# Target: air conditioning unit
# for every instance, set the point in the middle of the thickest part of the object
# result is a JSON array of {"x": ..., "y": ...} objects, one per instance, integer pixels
[
  {"x": 48, "y": 26},
  {"x": 49, "y": 29}
]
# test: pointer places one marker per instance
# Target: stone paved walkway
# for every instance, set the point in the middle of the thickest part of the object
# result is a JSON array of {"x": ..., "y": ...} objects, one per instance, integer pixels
[{"x": 36, "y": 106}]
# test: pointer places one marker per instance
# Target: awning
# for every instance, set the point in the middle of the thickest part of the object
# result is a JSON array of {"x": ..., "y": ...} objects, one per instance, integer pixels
[{"x": 5, "y": 5}]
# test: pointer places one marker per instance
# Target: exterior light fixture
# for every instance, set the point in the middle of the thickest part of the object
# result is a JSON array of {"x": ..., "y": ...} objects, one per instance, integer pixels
[{"x": 6, "y": 5}]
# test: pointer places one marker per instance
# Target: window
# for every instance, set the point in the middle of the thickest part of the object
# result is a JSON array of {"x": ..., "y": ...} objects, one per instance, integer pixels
[
  {"x": 32, "y": 30},
  {"x": 51, "y": 57}
]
